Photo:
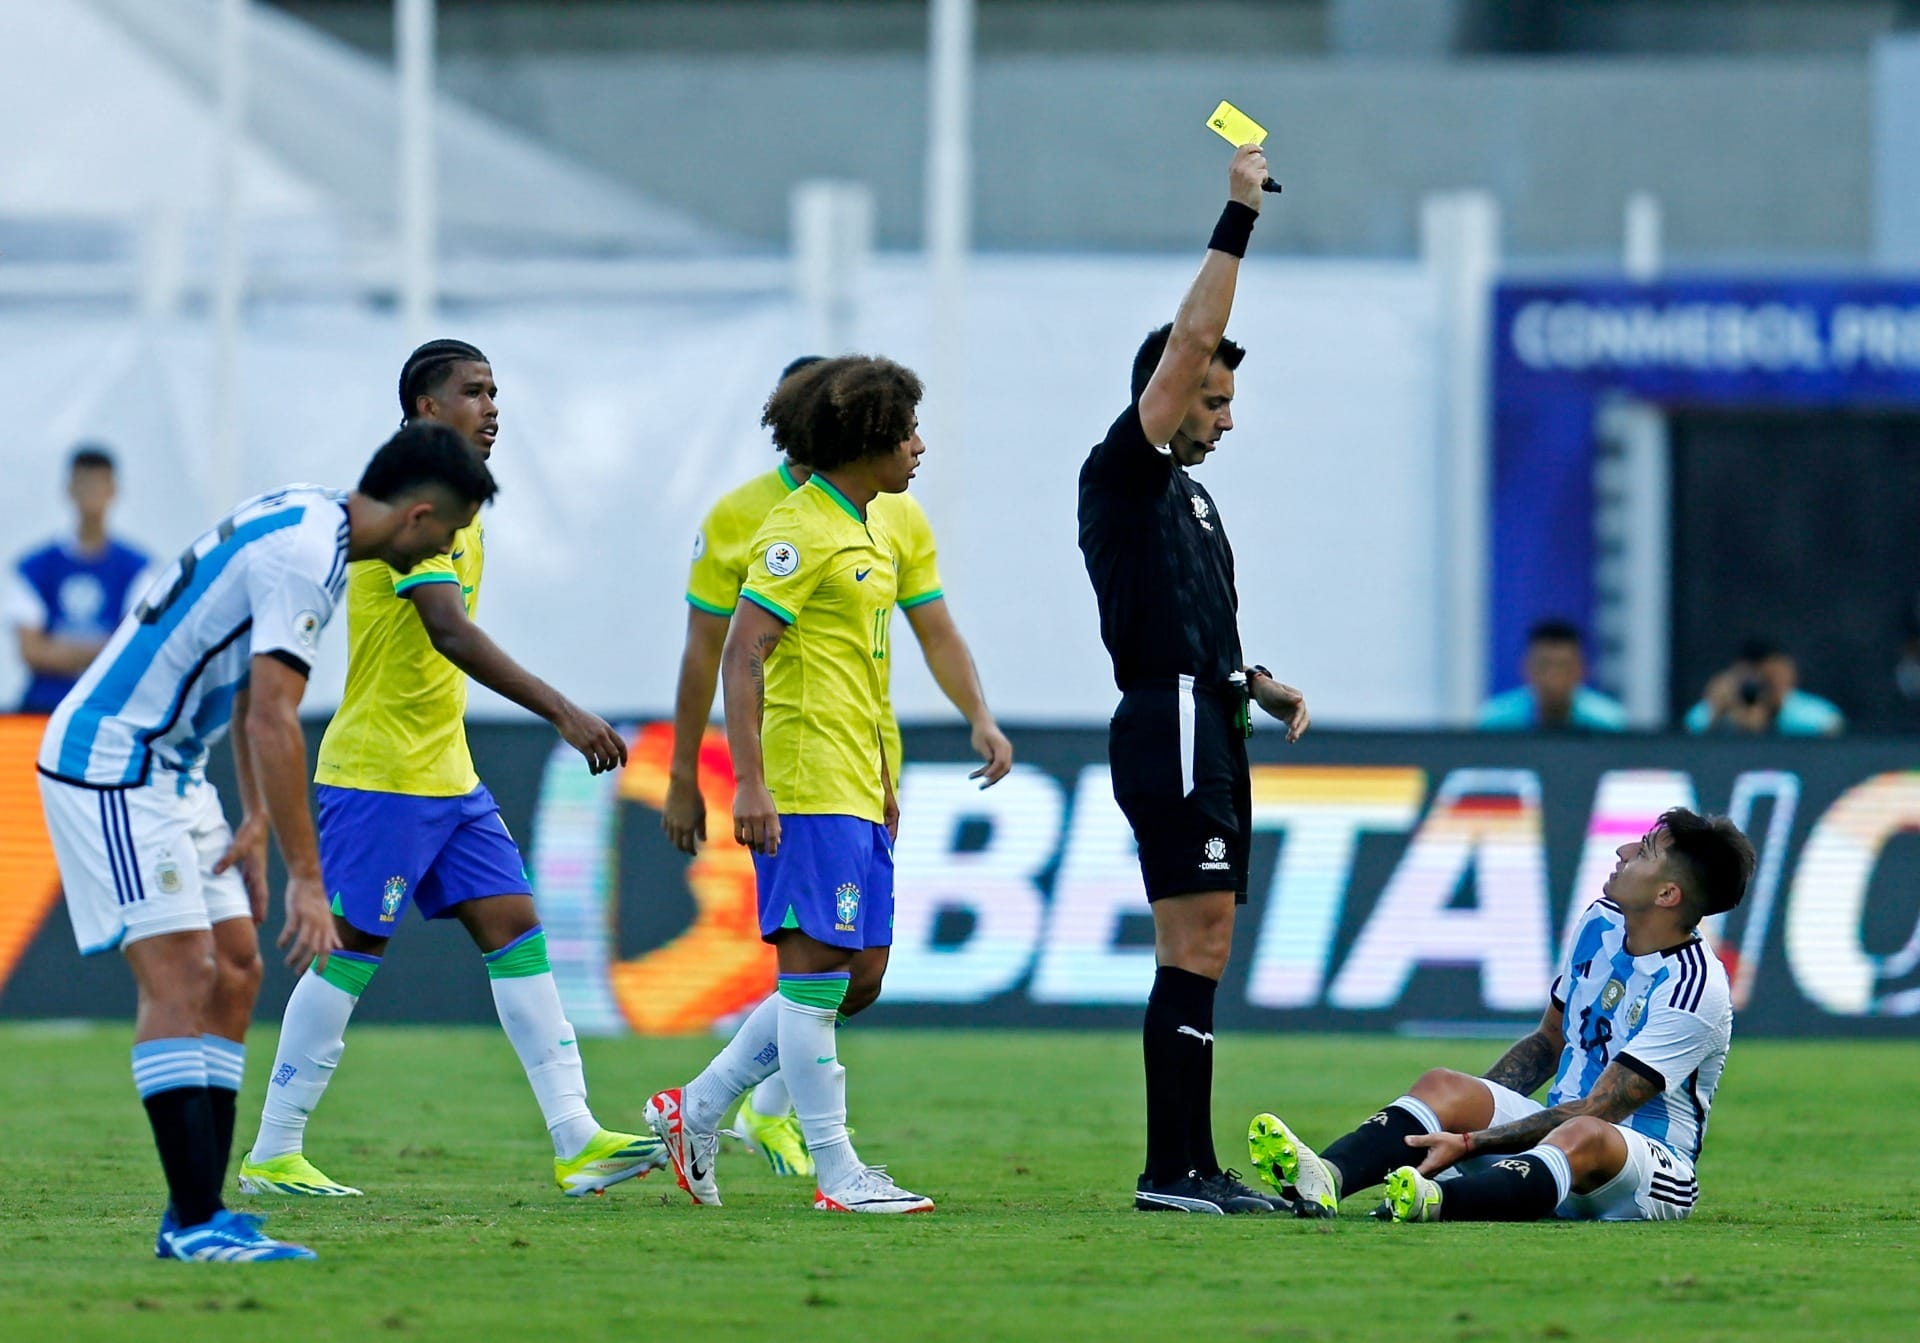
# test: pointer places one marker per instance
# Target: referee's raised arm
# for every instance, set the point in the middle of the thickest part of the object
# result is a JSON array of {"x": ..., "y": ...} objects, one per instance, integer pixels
[{"x": 1201, "y": 323}]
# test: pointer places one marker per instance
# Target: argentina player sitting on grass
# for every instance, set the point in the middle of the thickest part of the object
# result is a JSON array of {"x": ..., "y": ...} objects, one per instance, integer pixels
[{"x": 1635, "y": 1038}]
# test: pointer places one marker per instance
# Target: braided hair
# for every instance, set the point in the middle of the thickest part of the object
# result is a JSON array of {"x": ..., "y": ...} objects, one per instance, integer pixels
[{"x": 427, "y": 368}]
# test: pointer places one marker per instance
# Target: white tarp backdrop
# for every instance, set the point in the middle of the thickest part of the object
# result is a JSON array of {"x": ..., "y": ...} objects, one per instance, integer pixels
[{"x": 622, "y": 421}]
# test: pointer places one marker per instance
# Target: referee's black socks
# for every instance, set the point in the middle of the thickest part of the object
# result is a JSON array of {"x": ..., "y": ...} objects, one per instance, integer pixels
[{"x": 1178, "y": 1043}]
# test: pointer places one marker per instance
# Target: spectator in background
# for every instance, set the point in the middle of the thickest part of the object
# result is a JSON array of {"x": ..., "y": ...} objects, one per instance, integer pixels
[
  {"x": 1554, "y": 698},
  {"x": 1760, "y": 693},
  {"x": 67, "y": 597}
]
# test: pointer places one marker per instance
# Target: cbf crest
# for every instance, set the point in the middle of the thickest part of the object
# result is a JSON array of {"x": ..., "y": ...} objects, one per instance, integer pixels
[
  {"x": 391, "y": 897},
  {"x": 846, "y": 907}
]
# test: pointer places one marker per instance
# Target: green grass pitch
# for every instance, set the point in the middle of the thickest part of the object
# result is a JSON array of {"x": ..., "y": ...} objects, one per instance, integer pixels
[{"x": 1809, "y": 1225}]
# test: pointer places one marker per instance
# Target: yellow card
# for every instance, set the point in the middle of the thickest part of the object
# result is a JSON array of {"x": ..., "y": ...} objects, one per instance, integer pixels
[{"x": 1235, "y": 126}]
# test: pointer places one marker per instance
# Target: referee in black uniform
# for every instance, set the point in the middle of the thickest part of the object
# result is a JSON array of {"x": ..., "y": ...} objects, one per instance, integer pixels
[{"x": 1156, "y": 550}]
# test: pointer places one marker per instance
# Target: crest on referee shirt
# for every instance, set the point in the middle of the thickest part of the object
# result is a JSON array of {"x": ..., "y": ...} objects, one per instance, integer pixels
[
  {"x": 390, "y": 897},
  {"x": 846, "y": 907},
  {"x": 783, "y": 557}
]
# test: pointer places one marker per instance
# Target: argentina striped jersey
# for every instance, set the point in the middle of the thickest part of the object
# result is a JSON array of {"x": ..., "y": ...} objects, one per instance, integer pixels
[
  {"x": 264, "y": 580},
  {"x": 1667, "y": 1015}
]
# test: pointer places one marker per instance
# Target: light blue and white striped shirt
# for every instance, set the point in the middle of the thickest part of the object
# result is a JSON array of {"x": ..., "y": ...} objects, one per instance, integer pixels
[
  {"x": 1667, "y": 1015},
  {"x": 264, "y": 580}
]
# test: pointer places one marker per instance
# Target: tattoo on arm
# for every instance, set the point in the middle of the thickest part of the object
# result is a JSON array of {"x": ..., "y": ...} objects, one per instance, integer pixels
[
  {"x": 1618, "y": 1093},
  {"x": 1524, "y": 1133},
  {"x": 1525, "y": 1066}
]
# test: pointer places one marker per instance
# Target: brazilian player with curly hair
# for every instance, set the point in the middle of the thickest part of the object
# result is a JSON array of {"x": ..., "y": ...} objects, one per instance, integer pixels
[{"x": 804, "y": 672}]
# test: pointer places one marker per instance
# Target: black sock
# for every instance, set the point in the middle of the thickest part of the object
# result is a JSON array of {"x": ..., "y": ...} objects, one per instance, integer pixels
[
  {"x": 1200, "y": 1080},
  {"x": 182, "y": 1122},
  {"x": 223, "y": 1100},
  {"x": 1513, "y": 1189},
  {"x": 1378, "y": 1147},
  {"x": 1175, "y": 1047}
]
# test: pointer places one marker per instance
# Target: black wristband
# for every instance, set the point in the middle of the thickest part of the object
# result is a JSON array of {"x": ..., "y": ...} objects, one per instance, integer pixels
[{"x": 1235, "y": 227}]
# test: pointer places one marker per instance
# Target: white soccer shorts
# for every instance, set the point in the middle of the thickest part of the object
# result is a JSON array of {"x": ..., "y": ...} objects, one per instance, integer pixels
[
  {"x": 138, "y": 862},
  {"x": 1656, "y": 1185}
]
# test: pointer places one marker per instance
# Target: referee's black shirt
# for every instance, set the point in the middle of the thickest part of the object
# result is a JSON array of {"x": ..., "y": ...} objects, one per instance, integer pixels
[{"x": 1161, "y": 567}]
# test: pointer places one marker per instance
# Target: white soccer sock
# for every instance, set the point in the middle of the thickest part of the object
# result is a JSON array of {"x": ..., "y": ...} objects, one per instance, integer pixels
[
  {"x": 531, "y": 1015},
  {"x": 1557, "y": 1165},
  {"x": 1422, "y": 1112},
  {"x": 752, "y": 1054},
  {"x": 812, "y": 1068},
  {"x": 312, "y": 1038}
]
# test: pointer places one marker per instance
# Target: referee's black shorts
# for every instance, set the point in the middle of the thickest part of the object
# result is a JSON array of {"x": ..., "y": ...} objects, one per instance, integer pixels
[{"x": 1179, "y": 760}]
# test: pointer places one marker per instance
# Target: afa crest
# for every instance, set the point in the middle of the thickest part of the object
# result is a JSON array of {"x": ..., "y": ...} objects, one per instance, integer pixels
[
  {"x": 391, "y": 896},
  {"x": 846, "y": 907}
]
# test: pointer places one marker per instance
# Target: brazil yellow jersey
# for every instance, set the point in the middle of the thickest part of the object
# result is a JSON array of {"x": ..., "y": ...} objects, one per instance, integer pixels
[
  {"x": 401, "y": 726},
  {"x": 828, "y": 576},
  {"x": 723, "y": 546}
]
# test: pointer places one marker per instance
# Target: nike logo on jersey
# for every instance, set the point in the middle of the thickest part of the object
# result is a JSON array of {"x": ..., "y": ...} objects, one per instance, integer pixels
[
  {"x": 565, "y": 1043},
  {"x": 827, "y": 1059},
  {"x": 458, "y": 555},
  {"x": 860, "y": 575},
  {"x": 1204, "y": 1037}
]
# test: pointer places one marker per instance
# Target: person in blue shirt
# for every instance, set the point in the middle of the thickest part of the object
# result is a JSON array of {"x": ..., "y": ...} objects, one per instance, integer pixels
[
  {"x": 66, "y": 597},
  {"x": 1760, "y": 693},
  {"x": 1553, "y": 698}
]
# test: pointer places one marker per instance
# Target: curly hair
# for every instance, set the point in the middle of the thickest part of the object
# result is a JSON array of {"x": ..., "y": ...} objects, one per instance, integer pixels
[{"x": 838, "y": 411}]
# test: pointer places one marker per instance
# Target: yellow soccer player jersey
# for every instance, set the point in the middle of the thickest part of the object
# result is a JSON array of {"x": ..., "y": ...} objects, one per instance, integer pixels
[
  {"x": 401, "y": 726},
  {"x": 828, "y": 576},
  {"x": 723, "y": 546}
]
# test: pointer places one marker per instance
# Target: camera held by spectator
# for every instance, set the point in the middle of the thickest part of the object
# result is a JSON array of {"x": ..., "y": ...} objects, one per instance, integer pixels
[{"x": 1759, "y": 693}]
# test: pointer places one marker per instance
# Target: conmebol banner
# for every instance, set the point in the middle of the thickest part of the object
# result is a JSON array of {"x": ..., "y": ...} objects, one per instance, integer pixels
[
  {"x": 1399, "y": 882},
  {"x": 1560, "y": 348}
]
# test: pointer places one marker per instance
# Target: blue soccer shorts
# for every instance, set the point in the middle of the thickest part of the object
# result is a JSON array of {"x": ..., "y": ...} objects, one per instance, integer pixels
[
  {"x": 381, "y": 852},
  {"x": 832, "y": 879}
]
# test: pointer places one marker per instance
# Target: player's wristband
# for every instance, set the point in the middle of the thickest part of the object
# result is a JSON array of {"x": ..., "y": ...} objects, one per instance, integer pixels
[
  {"x": 1230, "y": 235},
  {"x": 1467, "y": 1138}
]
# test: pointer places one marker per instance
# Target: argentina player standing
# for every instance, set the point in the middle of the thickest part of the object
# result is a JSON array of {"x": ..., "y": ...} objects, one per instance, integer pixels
[
  {"x": 1156, "y": 550},
  {"x": 224, "y": 637}
]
